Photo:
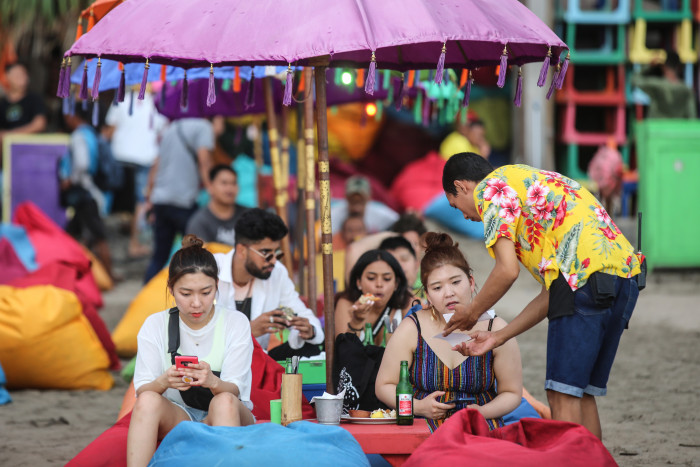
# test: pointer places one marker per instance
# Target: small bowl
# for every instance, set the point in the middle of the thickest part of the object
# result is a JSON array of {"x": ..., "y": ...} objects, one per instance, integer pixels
[{"x": 359, "y": 413}]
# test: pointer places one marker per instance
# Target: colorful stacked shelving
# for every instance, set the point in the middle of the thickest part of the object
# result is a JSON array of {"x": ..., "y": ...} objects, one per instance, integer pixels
[{"x": 609, "y": 41}]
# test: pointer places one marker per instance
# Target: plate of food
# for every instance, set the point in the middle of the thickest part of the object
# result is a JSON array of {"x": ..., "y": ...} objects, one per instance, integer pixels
[{"x": 375, "y": 417}]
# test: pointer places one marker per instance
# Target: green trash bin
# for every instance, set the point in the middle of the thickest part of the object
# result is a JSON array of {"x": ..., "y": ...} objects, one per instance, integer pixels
[{"x": 668, "y": 158}]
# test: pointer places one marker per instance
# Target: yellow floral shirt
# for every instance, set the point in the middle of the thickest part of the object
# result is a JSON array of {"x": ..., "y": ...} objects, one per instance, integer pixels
[{"x": 555, "y": 223}]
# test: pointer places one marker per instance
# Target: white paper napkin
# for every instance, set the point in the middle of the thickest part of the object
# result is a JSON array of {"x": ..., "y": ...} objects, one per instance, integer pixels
[
  {"x": 329, "y": 396},
  {"x": 457, "y": 337}
]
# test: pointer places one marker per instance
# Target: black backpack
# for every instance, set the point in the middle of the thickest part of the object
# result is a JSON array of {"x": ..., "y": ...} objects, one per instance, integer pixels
[{"x": 355, "y": 369}]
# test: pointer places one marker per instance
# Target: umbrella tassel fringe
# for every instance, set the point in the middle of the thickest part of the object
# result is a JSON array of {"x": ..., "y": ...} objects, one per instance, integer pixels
[
  {"x": 144, "y": 81},
  {"x": 84, "y": 83},
  {"x": 211, "y": 92},
  {"x": 184, "y": 94},
  {"x": 287, "y": 100},
  {"x": 61, "y": 77},
  {"x": 250, "y": 92},
  {"x": 441, "y": 65},
  {"x": 96, "y": 81},
  {"x": 468, "y": 90},
  {"x": 371, "y": 76},
  {"x": 519, "y": 90},
  {"x": 545, "y": 68},
  {"x": 503, "y": 68},
  {"x": 66, "y": 79},
  {"x": 562, "y": 73},
  {"x": 121, "y": 91},
  {"x": 402, "y": 91}
]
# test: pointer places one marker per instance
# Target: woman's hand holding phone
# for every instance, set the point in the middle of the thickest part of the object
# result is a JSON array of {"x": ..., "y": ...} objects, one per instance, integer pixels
[{"x": 200, "y": 373}]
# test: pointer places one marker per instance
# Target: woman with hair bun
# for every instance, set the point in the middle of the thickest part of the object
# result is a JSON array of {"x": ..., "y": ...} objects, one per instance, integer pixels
[
  {"x": 216, "y": 390},
  {"x": 444, "y": 381}
]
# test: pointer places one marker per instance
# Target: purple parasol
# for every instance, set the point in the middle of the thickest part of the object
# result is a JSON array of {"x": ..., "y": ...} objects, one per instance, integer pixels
[
  {"x": 402, "y": 34},
  {"x": 369, "y": 34}
]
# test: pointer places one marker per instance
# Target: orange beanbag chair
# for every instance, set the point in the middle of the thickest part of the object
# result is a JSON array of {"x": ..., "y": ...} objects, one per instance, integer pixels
[
  {"x": 47, "y": 342},
  {"x": 152, "y": 298}
]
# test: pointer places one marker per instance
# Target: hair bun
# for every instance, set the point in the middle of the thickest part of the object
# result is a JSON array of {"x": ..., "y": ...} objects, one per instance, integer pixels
[
  {"x": 435, "y": 241},
  {"x": 191, "y": 240}
]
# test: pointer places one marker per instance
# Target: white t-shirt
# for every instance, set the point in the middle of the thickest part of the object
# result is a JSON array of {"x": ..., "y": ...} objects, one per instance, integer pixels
[
  {"x": 153, "y": 346},
  {"x": 378, "y": 216},
  {"x": 135, "y": 138}
]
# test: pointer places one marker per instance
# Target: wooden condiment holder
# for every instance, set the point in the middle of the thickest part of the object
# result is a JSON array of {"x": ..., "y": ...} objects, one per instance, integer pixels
[{"x": 291, "y": 398}]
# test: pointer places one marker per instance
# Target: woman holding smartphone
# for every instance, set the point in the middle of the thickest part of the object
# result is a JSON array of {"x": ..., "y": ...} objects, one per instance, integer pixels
[
  {"x": 216, "y": 389},
  {"x": 444, "y": 381}
]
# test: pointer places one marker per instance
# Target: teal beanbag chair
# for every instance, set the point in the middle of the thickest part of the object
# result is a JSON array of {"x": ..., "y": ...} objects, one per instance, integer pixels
[
  {"x": 440, "y": 211},
  {"x": 302, "y": 444}
]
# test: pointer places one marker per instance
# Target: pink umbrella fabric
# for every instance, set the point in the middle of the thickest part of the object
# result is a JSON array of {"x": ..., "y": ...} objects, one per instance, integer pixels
[{"x": 403, "y": 34}]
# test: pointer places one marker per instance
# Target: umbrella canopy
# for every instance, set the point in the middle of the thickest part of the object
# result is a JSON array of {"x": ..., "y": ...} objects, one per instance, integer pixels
[{"x": 403, "y": 34}]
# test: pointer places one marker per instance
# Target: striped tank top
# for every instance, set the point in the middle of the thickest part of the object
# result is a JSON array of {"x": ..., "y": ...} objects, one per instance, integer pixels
[{"x": 472, "y": 382}]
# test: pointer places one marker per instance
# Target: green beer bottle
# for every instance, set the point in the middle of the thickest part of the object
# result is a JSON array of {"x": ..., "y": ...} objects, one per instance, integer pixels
[
  {"x": 369, "y": 339},
  {"x": 289, "y": 369},
  {"x": 404, "y": 397}
]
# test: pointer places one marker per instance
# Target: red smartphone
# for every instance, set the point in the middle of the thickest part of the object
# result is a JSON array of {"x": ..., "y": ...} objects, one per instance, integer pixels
[{"x": 183, "y": 361}]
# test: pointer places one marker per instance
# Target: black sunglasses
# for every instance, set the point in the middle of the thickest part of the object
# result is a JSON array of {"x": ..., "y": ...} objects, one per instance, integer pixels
[{"x": 269, "y": 255}]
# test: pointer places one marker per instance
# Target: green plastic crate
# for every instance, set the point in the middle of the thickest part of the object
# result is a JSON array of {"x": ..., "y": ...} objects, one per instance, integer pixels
[
  {"x": 668, "y": 157},
  {"x": 313, "y": 371}
]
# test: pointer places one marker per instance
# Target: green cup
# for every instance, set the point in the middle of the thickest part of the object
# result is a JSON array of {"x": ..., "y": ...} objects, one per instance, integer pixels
[{"x": 276, "y": 411}]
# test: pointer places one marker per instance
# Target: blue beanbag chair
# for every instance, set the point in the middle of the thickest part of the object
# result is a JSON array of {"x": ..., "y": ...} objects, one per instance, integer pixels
[
  {"x": 24, "y": 249},
  {"x": 440, "y": 211},
  {"x": 302, "y": 444},
  {"x": 524, "y": 410},
  {"x": 4, "y": 395}
]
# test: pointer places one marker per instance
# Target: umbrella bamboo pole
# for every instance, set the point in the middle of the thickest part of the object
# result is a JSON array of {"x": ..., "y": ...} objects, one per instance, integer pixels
[
  {"x": 299, "y": 239},
  {"x": 310, "y": 188},
  {"x": 277, "y": 175},
  {"x": 326, "y": 233}
]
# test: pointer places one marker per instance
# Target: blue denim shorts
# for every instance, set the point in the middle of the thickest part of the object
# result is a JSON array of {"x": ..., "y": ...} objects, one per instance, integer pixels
[
  {"x": 581, "y": 347},
  {"x": 195, "y": 415}
]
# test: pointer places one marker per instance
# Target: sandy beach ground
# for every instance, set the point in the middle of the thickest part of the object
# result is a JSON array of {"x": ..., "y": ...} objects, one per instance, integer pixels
[{"x": 650, "y": 416}]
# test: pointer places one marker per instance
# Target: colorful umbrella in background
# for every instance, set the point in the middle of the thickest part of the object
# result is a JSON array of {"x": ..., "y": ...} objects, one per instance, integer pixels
[{"x": 392, "y": 34}]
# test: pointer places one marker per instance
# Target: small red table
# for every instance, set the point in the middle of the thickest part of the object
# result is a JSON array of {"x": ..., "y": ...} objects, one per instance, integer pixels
[{"x": 393, "y": 442}]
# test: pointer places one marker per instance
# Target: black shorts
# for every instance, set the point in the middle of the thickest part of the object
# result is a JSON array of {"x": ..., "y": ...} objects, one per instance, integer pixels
[{"x": 86, "y": 218}]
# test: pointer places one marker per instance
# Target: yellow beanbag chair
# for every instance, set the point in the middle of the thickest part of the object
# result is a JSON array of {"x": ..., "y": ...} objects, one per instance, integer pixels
[
  {"x": 104, "y": 282},
  {"x": 46, "y": 341},
  {"x": 152, "y": 298}
]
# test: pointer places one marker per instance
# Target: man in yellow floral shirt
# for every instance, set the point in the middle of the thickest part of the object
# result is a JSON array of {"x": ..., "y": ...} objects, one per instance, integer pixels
[{"x": 560, "y": 232}]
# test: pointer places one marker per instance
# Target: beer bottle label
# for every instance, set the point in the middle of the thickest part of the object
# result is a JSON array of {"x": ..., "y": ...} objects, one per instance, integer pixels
[{"x": 405, "y": 403}]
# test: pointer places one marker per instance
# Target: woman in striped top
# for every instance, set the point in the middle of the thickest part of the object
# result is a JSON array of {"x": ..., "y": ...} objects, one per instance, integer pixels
[{"x": 439, "y": 374}]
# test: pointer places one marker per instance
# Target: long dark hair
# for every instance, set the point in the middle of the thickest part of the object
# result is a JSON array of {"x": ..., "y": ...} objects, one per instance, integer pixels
[
  {"x": 400, "y": 297},
  {"x": 190, "y": 259}
]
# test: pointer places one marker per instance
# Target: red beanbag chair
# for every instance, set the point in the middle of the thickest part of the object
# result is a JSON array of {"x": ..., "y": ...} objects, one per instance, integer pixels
[
  {"x": 11, "y": 266},
  {"x": 53, "y": 244},
  {"x": 108, "y": 449},
  {"x": 419, "y": 182},
  {"x": 65, "y": 276},
  {"x": 465, "y": 439}
]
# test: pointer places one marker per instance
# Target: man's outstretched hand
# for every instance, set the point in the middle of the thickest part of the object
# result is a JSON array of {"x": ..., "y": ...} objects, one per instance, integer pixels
[
  {"x": 480, "y": 343},
  {"x": 463, "y": 319}
]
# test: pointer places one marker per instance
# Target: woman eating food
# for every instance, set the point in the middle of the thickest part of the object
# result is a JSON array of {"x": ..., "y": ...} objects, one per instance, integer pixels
[
  {"x": 444, "y": 381},
  {"x": 376, "y": 291},
  {"x": 193, "y": 361}
]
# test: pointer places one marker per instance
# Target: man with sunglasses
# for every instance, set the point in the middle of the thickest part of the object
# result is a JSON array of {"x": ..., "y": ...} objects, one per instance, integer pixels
[{"x": 252, "y": 280}]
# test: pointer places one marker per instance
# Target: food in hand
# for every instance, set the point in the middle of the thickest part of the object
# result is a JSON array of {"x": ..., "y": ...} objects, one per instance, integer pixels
[
  {"x": 288, "y": 313},
  {"x": 383, "y": 413},
  {"x": 368, "y": 298},
  {"x": 359, "y": 413}
]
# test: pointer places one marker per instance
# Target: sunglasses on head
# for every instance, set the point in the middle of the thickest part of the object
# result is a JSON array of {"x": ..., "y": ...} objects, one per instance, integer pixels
[{"x": 267, "y": 255}]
